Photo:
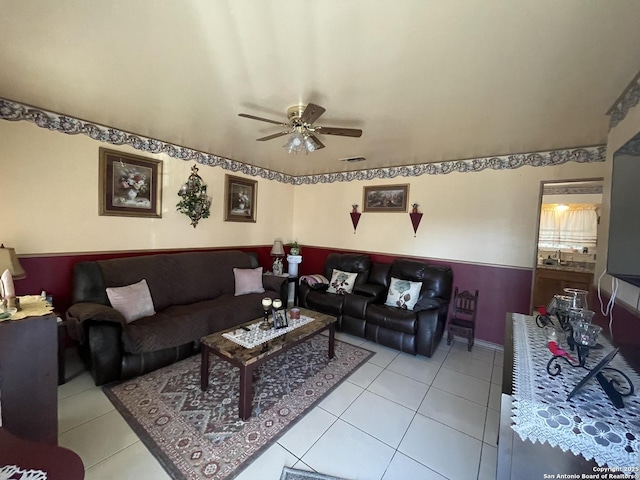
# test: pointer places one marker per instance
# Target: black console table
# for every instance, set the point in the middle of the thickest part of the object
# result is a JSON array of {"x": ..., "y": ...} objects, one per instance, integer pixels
[{"x": 29, "y": 378}]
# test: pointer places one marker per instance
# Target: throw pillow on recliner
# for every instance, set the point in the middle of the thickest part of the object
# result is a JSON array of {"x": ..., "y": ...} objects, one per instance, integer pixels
[
  {"x": 341, "y": 282},
  {"x": 403, "y": 293}
]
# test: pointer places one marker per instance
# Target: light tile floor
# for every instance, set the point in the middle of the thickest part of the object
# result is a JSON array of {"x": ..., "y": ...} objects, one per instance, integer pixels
[{"x": 398, "y": 417}]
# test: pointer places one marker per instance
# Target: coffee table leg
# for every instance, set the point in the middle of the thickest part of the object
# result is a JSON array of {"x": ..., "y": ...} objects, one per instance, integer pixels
[
  {"x": 204, "y": 368},
  {"x": 332, "y": 337},
  {"x": 244, "y": 407}
]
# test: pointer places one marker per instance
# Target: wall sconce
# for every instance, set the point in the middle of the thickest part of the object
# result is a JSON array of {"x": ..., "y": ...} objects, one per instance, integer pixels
[
  {"x": 416, "y": 217},
  {"x": 355, "y": 217},
  {"x": 194, "y": 202}
]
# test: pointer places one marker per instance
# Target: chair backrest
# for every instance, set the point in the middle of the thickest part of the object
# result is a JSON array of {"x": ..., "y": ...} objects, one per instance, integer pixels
[
  {"x": 348, "y": 262},
  {"x": 465, "y": 305}
]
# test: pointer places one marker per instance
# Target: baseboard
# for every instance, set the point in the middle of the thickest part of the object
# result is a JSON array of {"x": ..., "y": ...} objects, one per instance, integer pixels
[{"x": 481, "y": 343}]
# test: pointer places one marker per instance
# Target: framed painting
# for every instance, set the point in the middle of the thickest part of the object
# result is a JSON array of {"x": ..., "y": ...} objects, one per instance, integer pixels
[
  {"x": 385, "y": 198},
  {"x": 129, "y": 185},
  {"x": 241, "y": 196}
]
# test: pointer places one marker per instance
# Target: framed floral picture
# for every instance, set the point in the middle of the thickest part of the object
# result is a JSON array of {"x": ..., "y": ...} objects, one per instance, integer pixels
[
  {"x": 385, "y": 198},
  {"x": 240, "y": 196},
  {"x": 129, "y": 185}
]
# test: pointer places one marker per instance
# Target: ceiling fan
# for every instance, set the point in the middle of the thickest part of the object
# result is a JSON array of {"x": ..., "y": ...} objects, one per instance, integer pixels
[{"x": 303, "y": 131}]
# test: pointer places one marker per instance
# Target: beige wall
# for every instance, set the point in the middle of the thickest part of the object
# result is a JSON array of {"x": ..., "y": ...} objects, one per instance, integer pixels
[
  {"x": 618, "y": 136},
  {"x": 49, "y": 201},
  {"x": 486, "y": 217}
]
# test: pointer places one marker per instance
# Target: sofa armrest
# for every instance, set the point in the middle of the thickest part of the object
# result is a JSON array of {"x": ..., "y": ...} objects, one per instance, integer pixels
[
  {"x": 304, "y": 289},
  {"x": 427, "y": 303},
  {"x": 79, "y": 313},
  {"x": 275, "y": 283},
  {"x": 431, "y": 324},
  {"x": 378, "y": 292},
  {"x": 94, "y": 311}
]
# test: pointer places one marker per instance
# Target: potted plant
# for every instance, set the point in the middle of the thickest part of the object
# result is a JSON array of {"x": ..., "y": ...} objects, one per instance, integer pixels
[{"x": 294, "y": 248}]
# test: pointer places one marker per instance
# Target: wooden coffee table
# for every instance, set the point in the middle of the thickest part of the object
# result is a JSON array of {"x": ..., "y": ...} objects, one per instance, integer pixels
[{"x": 247, "y": 359}]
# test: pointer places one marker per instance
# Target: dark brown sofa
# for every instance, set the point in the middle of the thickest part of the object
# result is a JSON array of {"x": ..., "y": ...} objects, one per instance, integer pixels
[
  {"x": 193, "y": 296},
  {"x": 363, "y": 312}
]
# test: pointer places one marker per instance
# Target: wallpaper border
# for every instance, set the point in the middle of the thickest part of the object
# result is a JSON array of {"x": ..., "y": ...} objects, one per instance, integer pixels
[
  {"x": 13, "y": 111},
  {"x": 627, "y": 100}
]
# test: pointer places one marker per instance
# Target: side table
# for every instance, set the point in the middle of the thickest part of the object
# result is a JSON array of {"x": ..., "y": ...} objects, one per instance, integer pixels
[
  {"x": 294, "y": 280},
  {"x": 28, "y": 378}
]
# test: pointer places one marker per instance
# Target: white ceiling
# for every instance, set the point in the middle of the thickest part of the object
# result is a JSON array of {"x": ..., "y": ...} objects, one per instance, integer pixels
[{"x": 425, "y": 80}]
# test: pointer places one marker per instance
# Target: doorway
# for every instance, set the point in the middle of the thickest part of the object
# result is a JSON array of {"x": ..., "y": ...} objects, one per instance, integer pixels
[{"x": 566, "y": 245}]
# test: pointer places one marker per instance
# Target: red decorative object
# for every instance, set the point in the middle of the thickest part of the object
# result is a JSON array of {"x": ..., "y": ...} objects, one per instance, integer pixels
[
  {"x": 415, "y": 221},
  {"x": 355, "y": 218}
]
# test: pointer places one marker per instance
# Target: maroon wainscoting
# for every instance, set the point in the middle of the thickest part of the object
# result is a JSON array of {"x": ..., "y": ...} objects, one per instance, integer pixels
[
  {"x": 53, "y": 273},
  {"x": 625, "y": 326},
  {"x": 502, "y": 289}
]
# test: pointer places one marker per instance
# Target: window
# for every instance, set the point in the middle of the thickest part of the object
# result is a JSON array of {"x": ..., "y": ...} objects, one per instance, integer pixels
[{"x": 568, "y": 226}]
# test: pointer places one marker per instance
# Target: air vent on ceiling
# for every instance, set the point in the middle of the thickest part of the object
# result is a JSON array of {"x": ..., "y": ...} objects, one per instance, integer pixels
[{"x": 353, "y": 159}]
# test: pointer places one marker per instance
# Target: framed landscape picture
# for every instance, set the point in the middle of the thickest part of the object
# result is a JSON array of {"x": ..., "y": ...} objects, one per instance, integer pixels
[
  {"x": 385, "y": 198},
  {"x": 240, "y": 195},
  {"x": 129, "y": 185}
]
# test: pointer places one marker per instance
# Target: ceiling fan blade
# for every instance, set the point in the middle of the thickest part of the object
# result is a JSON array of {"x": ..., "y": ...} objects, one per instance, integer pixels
[
  {"x": 344, "y": 132},
  {"x": 253, "y": 117},
  {"x": 311, "y": 113},
  {"x": 316, "y": 143},
  {"x": 271, "y": 137}
]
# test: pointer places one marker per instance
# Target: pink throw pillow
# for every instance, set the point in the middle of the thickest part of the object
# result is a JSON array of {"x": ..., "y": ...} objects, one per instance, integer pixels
[
  {"x": 248, "y": 280},
  {"x": 133, "y": 301}
]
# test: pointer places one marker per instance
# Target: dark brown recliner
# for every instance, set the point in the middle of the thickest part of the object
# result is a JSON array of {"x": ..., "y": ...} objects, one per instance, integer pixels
[
  {"x": 317, "y": 298},
  {"x": 416, "y": 331},
  {"x": 364, "y": 314}
]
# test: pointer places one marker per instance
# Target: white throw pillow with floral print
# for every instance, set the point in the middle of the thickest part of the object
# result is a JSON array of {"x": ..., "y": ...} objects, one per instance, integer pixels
[
  {"x": 403, "y": 293},
  {"x": 341, "y": 282}
]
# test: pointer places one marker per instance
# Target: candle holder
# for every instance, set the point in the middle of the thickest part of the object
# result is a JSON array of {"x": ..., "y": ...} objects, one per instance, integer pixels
[
  {"x": 266, "y": 307},
  {"x": 616, "y": 384}
]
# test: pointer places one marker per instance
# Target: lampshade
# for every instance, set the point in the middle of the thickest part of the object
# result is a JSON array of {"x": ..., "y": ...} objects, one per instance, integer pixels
[
  {"x": 295, "y": 144},
  {"x": 9, "y": 261},
  {"x": 310, "y": 144},
  {"x": 277, "y": 249}
]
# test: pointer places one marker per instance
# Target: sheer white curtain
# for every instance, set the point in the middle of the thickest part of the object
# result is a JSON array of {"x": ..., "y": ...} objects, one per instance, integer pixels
[{"x": 575, "y": 226}]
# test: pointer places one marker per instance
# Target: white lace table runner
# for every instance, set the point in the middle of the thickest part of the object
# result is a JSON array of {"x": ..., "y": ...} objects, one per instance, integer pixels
[
  {"x": 588, "y": 424},
  {"x": 256, "y": 336},
  {"x": 12, "y": 472}
]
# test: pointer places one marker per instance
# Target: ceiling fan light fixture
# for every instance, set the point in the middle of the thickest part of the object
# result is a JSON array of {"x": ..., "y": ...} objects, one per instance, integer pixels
[
  {"x": 310, "y": 144},
  {"x": 302, "y": 129},
  {"x": 295, "y": 144}
]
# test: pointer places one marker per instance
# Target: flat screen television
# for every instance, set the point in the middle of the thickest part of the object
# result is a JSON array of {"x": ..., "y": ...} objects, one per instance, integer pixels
[{"x": 623, "y": 254}]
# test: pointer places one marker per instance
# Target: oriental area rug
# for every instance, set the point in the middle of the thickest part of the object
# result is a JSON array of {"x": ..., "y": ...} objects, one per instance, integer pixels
[{"x": 198, "y": 435}]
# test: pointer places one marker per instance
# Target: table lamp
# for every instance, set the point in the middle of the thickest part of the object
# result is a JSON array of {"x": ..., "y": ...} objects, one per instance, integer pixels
[
  {"x": 277, "y": 251},
  {"x": 10, "y": 269}
]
